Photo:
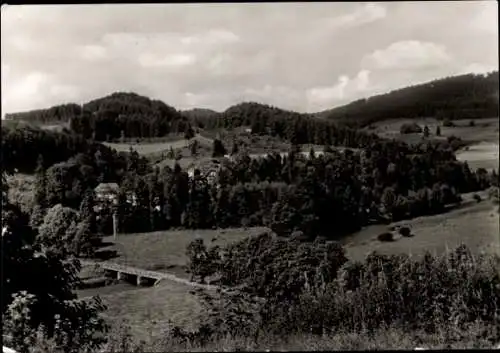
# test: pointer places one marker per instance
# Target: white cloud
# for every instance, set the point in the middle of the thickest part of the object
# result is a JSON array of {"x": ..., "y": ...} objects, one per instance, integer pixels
[
  {"x": 92, "y": 52},
  {"x": 175, "y": 60},
  {"x": 486, "y": 19},
  {"x": 408, "y": 54},
  {"x": 478, "y": 68},
  {"x": 34, "y": 91},
  {"x": 344, "y": 89},
  {"x": 363, "y": 80},
  {"x": 290, "y": 55},
  {"x": 362, "y": 15}
]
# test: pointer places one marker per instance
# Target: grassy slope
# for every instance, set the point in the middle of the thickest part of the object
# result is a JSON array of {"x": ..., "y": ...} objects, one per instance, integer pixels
[
  {"x": 476, "y": 225},
  {"x": 485, "y": 129},
  {"x": 148, "y": 310},
  {"x": 166, "y": 250},
  {"x": 482, "y": 153}
]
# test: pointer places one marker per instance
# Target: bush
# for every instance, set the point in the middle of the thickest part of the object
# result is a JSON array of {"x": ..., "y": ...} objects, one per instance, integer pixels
[
  {"x": 477, "y": 198},
  {"x": 385, "y": 237},
  {"x": 448, "y": 123},
  {"x": 448, "y": 293},
  {"x": 410, "y": 128},
  {"x": 405, "y": 231}
]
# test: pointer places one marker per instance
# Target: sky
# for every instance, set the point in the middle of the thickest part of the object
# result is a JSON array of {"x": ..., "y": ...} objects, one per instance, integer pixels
[{"x": 305, "y": 57}]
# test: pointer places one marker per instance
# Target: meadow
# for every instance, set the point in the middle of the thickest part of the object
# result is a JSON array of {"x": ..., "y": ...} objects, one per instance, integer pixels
[
  {"x": 166, "y": 250},
  {"x": 483, "y": 130},
  {"x": 146, "y": 148},
  {"x": 480, "y": 155},
  {"x": 476, "y": 225}
]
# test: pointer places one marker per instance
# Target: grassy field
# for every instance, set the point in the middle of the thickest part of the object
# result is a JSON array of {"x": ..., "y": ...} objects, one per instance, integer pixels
[
  {"x": 166, "y": 250},
  {"x": 484, "y": 130},
  {"x": 480, "y": 155},
  {"x": 147, "y": 148},
  {"x": 148, "y": 310},
  {"x": 163, "y": 145},
  {"x": 475, "y": 224}
]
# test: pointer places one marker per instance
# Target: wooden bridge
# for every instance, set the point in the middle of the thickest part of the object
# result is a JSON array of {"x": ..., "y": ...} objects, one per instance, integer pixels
[{"x": 139, "y": 276}]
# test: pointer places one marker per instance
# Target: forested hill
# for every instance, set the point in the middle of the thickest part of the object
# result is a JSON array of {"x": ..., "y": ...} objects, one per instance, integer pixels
[
  {"x": 58, "y": 113},
  {"x": 200, "y": 116},
  {"x": 109, "y": 117},
  {"x": 131, "y": 115},
  {"x": 458, "y": 97}
]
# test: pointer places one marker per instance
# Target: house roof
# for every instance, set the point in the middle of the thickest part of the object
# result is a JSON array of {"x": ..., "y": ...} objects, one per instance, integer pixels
[{"x": 107, "y": 188}]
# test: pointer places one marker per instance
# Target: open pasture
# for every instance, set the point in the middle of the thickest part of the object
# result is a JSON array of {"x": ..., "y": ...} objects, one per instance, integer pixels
[
  {"x": 480, "y": 155},
  {"x": 483, "y": 130},
  {"x": 474, "y": 224},
  {"x": 147, "y": 148},
  {"x": 167, "y": 250}
]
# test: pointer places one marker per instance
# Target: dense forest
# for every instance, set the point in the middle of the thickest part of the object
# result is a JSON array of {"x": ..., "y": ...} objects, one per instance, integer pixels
[
  {"x": 114, "y": 116},
  {"x": 131, "y": 115},
  {"x": 330, "y": 195},
  {"x": 59, "y": 113},
  {"x": 458, "y": 97},
  {"x": 22, "y": 145}
]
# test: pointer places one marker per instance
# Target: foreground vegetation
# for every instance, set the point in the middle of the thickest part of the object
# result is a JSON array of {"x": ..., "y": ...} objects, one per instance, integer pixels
[{"x": 385, "y": 302}]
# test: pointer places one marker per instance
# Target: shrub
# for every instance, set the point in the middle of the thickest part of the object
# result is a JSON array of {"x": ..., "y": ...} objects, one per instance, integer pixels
[
  {"x": 405, "y": 231},
  {"x": 477, "y": 198},
  {"x": 387, "y": 236},
  {"x": 448, "y": 123},
  {"x": 446, "y": 293},
  {"x": 410, "y": 128}
]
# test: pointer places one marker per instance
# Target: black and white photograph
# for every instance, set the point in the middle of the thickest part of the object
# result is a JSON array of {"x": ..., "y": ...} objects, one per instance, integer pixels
[{"x": 250, "y": 176}]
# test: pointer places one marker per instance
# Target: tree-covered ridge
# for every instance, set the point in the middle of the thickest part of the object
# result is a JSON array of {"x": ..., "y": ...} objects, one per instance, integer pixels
[
  {"x": 58, "y": 113},
  {"x": 131, "y": 115},
  {"x": 113, "y": 116},
  {"x": 290, "y": 126},
  {"x": 458, "y": 97},
  {"x": 198, "y": 116},
  {"x": 127, "y": 115}
]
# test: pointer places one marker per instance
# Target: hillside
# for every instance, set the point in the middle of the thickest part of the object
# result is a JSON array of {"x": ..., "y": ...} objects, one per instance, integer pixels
[
  {"x": 131, "y": 115},
  {"x": 199, "y": 115},
  {"x": 59, "y": 113},
  {"x": 458, "y": 97}
]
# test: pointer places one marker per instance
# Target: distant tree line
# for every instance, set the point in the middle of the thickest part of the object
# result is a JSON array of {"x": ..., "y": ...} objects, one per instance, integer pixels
[
  {"x": 114, "y": 116},
  {"x": 458, "y": 97},
  {"x": 290, "y": 126},
  {"x": 56, "y": 114},
  {"x": 131, "y": 115}
]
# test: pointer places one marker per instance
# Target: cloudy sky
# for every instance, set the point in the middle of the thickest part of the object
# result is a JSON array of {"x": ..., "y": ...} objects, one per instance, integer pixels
[{"x": 301, "y": 56}]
